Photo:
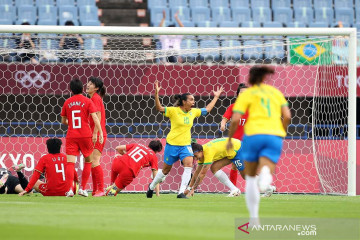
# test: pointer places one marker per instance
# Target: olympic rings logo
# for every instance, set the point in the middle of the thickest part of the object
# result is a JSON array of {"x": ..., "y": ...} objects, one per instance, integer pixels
[{"x": 32, "y": 78}]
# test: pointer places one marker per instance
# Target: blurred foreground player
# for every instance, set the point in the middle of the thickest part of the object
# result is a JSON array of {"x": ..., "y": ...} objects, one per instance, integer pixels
[{"x": 10, "y": 184}]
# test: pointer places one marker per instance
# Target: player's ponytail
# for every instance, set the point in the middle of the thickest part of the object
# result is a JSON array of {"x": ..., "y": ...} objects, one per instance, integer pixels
[
  {"x": 179, "y": 98},
  {"x": 257, "y": 74},
  {"x": 99, "y": 84}
]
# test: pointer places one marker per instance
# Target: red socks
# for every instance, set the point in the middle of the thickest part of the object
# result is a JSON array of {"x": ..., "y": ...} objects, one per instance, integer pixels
[
  {"x": 98, "y": 178},
  {"x": 233, "y": 176},
  {"x": 85, "y": 175},
  {"x": 69, "y": 174},
  {"x": 94, "y": 180}
]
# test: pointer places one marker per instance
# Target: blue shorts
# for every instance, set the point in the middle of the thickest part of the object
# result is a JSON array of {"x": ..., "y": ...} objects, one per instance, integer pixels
[
  {"x": 173, "y": 153},
  {"x": 238, "y": 160},
  {"x": 256, "y": 146}
]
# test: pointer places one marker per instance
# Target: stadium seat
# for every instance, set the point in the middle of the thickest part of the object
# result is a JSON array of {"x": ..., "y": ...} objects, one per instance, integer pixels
[
  {"x": 189, "y": 44},
  {"x": 93, "y": 47},
  {"x": 184, "y": 13},
  {"x": 88, "y": 13},
  {"x": 156, "y": 4},
  {"x": 177, "y": 3},
  {"x": 228, "y": 24},
  {"x": 6, "y": 22},
  {"x": 62, "y": 3},
  {"x": 318, "y": 25},
  {"x": 241, "y": 15},
  {"x": 156, "y": 14},
  {"x": 296, "y": 25},
  {"x": 274, "y": 49},
  {"x": 26, "y": 13},
  {"x": 200, "y": 14},
  {"x": 239, "y": 4},
  {"x": 357, "y": 4},
  {"x": 345, "y": 24},
  {"x": 250, "y": 24},
  {"x": 280, "y": 4},
  {"x": 48, "y": 22},
  {"x": 68, "y": 13},
  {"x": 6, "y": 40},
  {"x": 255, "y": 52},
  {"x": 357, "y": 25},
  {"x": 272, "y": 25},
  {"x": 8, "y": 12},
  {"x": 6, "y": 2},
  {"x": 357, "y": 13},
  {"x": 261, "y": 14},
  {"x": 323, "y": 4},
  {"x": 214, "y": 54},
  {"x": 44, "y": 2},
  {"x": 91, "y": 23},
  {"x": 302, "y": 4},
  {"x": 207, "y": 24},
  {"x": 221, "y": 14},
  {"x": 219, "y": 3},
  {"x": 47, "y": 13},
  {"x": 283, "y": 15},
  {"x": 235, "y": 53},
  {"x": 198, "y": 3},
  {"x": 346, "y": 15},
  {"x": 187, "y": 24},
  {"x": 305, "y": 15},
  {"x": 19, "y": 3},
  {"x": 260, "y": 3},
  {"x": 344, "y": 4},
  {"x": 324, "y": 15},
  {"x": 48, "y": 42},
  {"x": 86, "y": 3}
]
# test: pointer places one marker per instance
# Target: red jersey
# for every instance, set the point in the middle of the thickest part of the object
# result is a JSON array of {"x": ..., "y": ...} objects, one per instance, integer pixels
[
  {"x": 77, "y": 109},
  {"x": 138, "y": 156},
  {"x": 99, "y": 106},
  {"x": 240, "y": 130},
  {"x": 53, "y": 165}
]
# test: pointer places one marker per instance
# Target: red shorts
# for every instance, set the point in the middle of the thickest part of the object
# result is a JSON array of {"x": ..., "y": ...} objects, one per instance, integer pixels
[
  {"x": 75, "y": 145},
  {"x": 47, "y": 192},
  {"x": 100, "y": 146},
  {"x": 124, "y": 174}
]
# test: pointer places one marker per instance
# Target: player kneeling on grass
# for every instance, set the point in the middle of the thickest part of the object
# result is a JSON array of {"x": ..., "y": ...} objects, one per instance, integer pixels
[
  {"x": 213, "y": 155},
  {"x": 127, "y": 166},
  {"x": 53, "y": 166}
]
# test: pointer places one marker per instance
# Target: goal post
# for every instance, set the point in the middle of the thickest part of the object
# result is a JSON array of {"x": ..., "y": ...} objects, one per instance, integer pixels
[{"x": 146, "y": 62}]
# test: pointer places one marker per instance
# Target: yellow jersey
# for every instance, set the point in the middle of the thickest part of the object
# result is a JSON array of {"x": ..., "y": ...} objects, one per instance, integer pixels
[
  {"x": 216, "y": 150},
  {"x": 181, "y": 123},
  {"x": 264, "y": 104}
]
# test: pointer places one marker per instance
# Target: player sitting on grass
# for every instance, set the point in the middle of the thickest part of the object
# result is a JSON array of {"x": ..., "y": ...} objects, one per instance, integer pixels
[
  {"x": 133, "y": 158},
  {"x": 213, "y": 155},
  {"x": 10, "y": 184},
  {"x": 52, "y": 165}
]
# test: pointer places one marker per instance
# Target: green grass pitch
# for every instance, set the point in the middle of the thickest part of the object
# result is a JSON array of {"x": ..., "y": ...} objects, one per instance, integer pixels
[{"x": 132, "y": 216}]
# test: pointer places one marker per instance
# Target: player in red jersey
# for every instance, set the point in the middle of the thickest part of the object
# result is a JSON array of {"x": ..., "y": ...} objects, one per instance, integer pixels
[
  {"x": 96, "y": 90},
  {"x": 53, "y": 166},
  {"x": 133, "y": 158},
  {"x": 239, "y": 132},
  {"x": 76, "y": 114}
]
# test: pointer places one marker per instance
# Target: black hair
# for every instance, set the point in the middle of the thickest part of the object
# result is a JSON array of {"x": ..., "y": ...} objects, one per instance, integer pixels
[
  {"x": 257, "y": 73},
  {"x": 155, "y": 145},
  {"x": 171, "y": 25},
  {"x": 69, "y": 23},
  {"x": 76, "y": 86},
  {"x": 25, "y": 23},
  {"x": 53, "y": 145},
  {"x": 99, "y": 84},
  {"x": 179, "y": 98},
  {"x": 241, "y": 86},
  {"x": 196, "y": 147}
]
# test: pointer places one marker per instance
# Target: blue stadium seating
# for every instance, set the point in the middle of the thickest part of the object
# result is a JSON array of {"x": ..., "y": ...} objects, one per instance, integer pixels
[
  {"x": 47, "y": 13},
  {"x": 184, "y": 13},
  {"x": 228, "y": 24},
  {"x": 6, "y": 41},
  {"x": 296, "y": 25},
  {"x": 8, "y": 12},
  {"x": 177, "y": 3},
  {"x": 261, "y": 14},
  {"x": 198, "y": 3},
  {"x": 280, "y": 3},
  {"x": 156, "y": 14},
  {"x": 44, "y": 2},
  {"x": 357, "y": 25},
  {"x": 86, "y": 2},
  {"x": 47, "y": 22},
  {"x": 272, "y": 25},
  {"x": 241, "y": 15},
  {"x": 189, "y": 44},
  {"x": 68, "y": 13},
  {"x": 344, "y": 4},
  {"x": 187, "y": 24},
  {"x": 301, "y": 4},
  {"x": 255, "y": 52},
  {"x": 6, "y": 2},
  {"x": 357, "y": 4},
  {"x": 91, "y": 23},
  {"x": 221, "y": 14},
  {"x": 19, "y": 3},
  {"x": 323, "y": 4},
  {"x": 239, "y": 4},
  {"x": 48, "y": 42},
  {"x": 305, "y": 15},
  {"x": 207, "y": 24},
  {"x": 231, "y": 53},
  {"x": 274, "y": 50},
  {"x": 26, "y": 13},
  {"x": 62, "y": 3},
  {"x": 6, "y": 22},
  {"x": 93, "y": 47},
  {"x": 346, "y": 15},
  {"x": 219, "y": 3},
  {"x": 324, "y": 15},
  {"x": 283, "y": 15},
  {"x": 215, "y": 54},
  {"x": 357, "y": 12},
  {"x": 250, "y": 24},
  {"x": 345, "y": 24},
  {"x": 318, "y": 25},
  {"x": 88, "y": 13},
  {"x": 260, "y": 3},
  {"x": 156, "y": 3},
  {"x": 200, "y": 14}
]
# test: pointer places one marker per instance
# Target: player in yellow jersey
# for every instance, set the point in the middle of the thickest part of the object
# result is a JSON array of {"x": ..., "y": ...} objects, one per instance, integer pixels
[
  {"x": 178, "y": 141},
  {"x": 265, "y": 128},
  {"x": 214, "y": 156}
]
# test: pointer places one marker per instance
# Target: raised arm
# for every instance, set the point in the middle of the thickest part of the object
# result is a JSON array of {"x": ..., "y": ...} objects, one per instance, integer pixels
[
  {"x": 286, "y": 116},
  {"x": 223, "y": 124},
  {"x": 176, "y": 16},
  {"x": 163, "y": 19},
  {"x": 157, "y": 100},
  {"x": 217, "y": 94}
]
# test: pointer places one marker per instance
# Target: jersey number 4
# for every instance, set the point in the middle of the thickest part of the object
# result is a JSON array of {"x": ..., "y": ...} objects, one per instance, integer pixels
[
  {"x": 60, "y": 170},
  {"x": 137, "y": 154}
]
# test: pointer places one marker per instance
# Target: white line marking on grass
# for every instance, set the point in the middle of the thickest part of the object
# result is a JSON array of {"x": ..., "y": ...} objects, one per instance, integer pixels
[{"x": 18, "y": 202}]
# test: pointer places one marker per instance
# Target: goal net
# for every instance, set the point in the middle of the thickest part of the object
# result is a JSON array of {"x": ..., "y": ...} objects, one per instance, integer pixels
[{"x": 309, "y": 71}]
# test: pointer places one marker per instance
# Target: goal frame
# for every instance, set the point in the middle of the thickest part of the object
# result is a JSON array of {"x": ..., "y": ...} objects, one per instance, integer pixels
[{"x": 351, "y": 33}]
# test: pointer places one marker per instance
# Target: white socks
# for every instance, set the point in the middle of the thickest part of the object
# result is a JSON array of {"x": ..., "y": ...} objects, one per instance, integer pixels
[
  {"x": 185, "y": 179},
  {"x": 158, "y": 179},
  {"x": 252, "y": 197},
  {"x": 265, "y": 179},
  {"x": 225, "y": 180}
]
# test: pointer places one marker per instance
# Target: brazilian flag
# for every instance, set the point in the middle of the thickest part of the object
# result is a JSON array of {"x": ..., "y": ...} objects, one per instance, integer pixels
[{"x": 310, "y": 52}]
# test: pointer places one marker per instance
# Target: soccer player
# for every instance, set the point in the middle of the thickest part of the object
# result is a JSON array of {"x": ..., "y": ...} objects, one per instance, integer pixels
[
  {"x": 133, "y": 158},
  {"x": 265, "y": 128},
  {"x": 10, "y": 184},
  {"x": 213, "y": 155},
  {"x": 53, "y": 166},
  {"x": 178, "y": 140},
  {"x": 76, "y": 113},
  {"x": 96, "y": 90},
  {"x": 239, "y": 132}
]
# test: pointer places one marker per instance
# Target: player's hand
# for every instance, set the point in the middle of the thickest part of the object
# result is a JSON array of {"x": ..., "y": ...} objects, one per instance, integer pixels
[
  {"x": 229, "y": 145},
  {"x": 222, "y": 128},
  {"x": 101, "y": 138},
  {"x": 23, "y": 193},
  {"x": 164, "y": 14},
  {"x": 218, "y": 92},
  {"x": 191, "y": 193},
  {"x": 157, "y": 88},
  {"x": 186, "y": 192},
  {"x": 94, "y": 138}
]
